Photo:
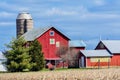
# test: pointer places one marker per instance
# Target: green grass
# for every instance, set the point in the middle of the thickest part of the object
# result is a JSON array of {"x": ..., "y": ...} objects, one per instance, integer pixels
[
  {"x": 62, "y": 69},
  {"x": 57, "y": 69}
]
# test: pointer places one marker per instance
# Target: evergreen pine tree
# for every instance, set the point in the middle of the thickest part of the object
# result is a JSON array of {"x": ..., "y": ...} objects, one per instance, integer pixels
[
  {"x": 18, "y": 57},
  {"x": 37, "y": 58}
]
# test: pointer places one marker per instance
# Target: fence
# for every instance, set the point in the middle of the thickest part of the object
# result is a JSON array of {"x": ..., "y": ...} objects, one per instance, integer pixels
[
  {"x": 101, "y": 64},
  {"x": 78, "y": 64}
]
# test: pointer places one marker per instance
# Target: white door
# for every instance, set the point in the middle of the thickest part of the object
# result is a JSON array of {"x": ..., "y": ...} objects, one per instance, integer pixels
[{"x": 82, "y": 61}]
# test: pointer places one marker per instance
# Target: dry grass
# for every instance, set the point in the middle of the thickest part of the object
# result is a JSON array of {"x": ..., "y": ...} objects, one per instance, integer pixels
[{"x": 101, "y": 74}]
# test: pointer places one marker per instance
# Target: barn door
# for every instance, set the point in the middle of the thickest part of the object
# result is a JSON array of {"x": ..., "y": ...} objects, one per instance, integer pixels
[{"x": 82, "y": 62}]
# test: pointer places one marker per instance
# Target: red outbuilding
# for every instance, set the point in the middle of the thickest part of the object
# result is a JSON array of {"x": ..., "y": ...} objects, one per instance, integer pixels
[
  {"x": 106, "y": 54},
  {"x": 94, "y": 58},
  {"x": 113, "y": 47}
]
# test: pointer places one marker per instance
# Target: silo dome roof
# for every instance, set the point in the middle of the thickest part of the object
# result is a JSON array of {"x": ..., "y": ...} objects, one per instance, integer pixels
[{"x": 24, "y": 15}]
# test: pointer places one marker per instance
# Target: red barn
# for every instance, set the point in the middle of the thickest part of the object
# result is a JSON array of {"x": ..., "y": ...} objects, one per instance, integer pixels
[
  {"x": 113, "y": 47},
  {"x": 50, "y": 39}
]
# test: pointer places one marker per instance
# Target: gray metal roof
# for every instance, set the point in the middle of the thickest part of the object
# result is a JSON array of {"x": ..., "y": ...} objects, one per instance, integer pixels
[
  {"x": 112, "y": 45},
  {"x": 77, "y": 43},
  {"x": 95, "y": 53},
  {"x": 35, "y": 33},
  {"x": 24, "y": 15}
]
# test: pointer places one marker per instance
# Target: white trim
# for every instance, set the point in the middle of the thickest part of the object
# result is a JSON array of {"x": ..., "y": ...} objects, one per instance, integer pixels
[
  {"x": 52, "y": 41},
  {"x": 82, "y": 61},
  {"x": 58, "y": 44},
  {"x": 86, "y": 62},
  {"x": 53, "y": 33}
]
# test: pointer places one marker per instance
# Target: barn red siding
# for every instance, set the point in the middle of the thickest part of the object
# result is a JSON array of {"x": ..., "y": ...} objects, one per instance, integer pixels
[
  {"x": 96, "y": 64},
  {"x": 48, "y": 49},
  {"x": 115, "y": 60},
  {"x": 79, "y": 48}
]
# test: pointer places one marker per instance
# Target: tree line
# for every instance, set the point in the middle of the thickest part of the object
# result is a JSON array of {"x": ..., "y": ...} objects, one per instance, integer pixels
[{"x": 28, "y": 56}]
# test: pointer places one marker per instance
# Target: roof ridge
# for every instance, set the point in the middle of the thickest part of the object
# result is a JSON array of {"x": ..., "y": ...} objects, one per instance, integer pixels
[{"x": 35, "y": 33}]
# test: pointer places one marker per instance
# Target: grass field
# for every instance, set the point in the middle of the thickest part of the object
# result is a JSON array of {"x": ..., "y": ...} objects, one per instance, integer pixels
[{"x": 69, "y": 74}]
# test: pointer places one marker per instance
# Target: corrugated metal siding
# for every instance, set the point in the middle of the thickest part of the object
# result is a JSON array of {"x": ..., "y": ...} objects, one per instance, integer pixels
[
  {"x": 95, "y": 53},
  {"x": 112, "y": 45},
  {"x": 77, "y": 43}
]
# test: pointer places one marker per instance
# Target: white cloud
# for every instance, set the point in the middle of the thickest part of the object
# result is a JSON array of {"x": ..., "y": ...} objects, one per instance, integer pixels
[
  {"x": 57, "y": 11},
  {"x": 100, "y": 15},
  {"x": 86, "y": 20},
  {"x": 7, "y": 23},
  {"x": 79, "y": 13},
  {"x": 6, "y": 14},
  {"x": 66, "y": 11},
  {"x": 13, "y": 7},
  {"x": 99, "y": 2},
  {"x": 23, "y": 9}
]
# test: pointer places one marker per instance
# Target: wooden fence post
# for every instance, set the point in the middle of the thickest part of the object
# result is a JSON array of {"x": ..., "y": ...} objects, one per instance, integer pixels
[
  {"x": 108, "y": 63},
  {"x": 99, "y": 64}
]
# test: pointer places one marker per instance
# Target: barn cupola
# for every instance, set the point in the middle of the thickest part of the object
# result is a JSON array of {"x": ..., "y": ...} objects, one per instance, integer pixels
[{"x": 24, "y": 23}]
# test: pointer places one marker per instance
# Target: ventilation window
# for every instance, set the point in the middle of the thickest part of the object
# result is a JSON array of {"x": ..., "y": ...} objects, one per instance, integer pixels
[{"x": 51, "y": 33}]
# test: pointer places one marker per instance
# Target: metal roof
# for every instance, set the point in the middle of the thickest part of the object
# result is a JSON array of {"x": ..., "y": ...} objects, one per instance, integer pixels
[
  {"x": 95, "y": 53},
  {"x": 35, "y": 33},
  {"x": 112, "y": 45},
  {"x": 77, "y": 43},
  {"x": 24, "y": 15}
]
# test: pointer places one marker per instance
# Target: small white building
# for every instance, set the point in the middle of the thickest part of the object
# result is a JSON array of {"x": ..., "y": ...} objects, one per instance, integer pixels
[{"x": 2, "y": 59}]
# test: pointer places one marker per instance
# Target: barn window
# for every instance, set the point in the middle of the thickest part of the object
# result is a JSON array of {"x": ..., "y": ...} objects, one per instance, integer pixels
[
  {"x": 51, "y": 33},
  {"x": 52, "y": 41},
  {"x": 57, "y": 44}
]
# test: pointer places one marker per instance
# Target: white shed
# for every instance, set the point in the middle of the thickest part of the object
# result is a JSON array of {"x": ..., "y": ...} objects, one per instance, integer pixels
[{"x": 2, "y": 59}]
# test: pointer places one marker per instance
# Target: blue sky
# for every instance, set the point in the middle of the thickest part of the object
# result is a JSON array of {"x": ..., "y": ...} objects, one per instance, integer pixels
[{"x": 85, "y": 20}]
